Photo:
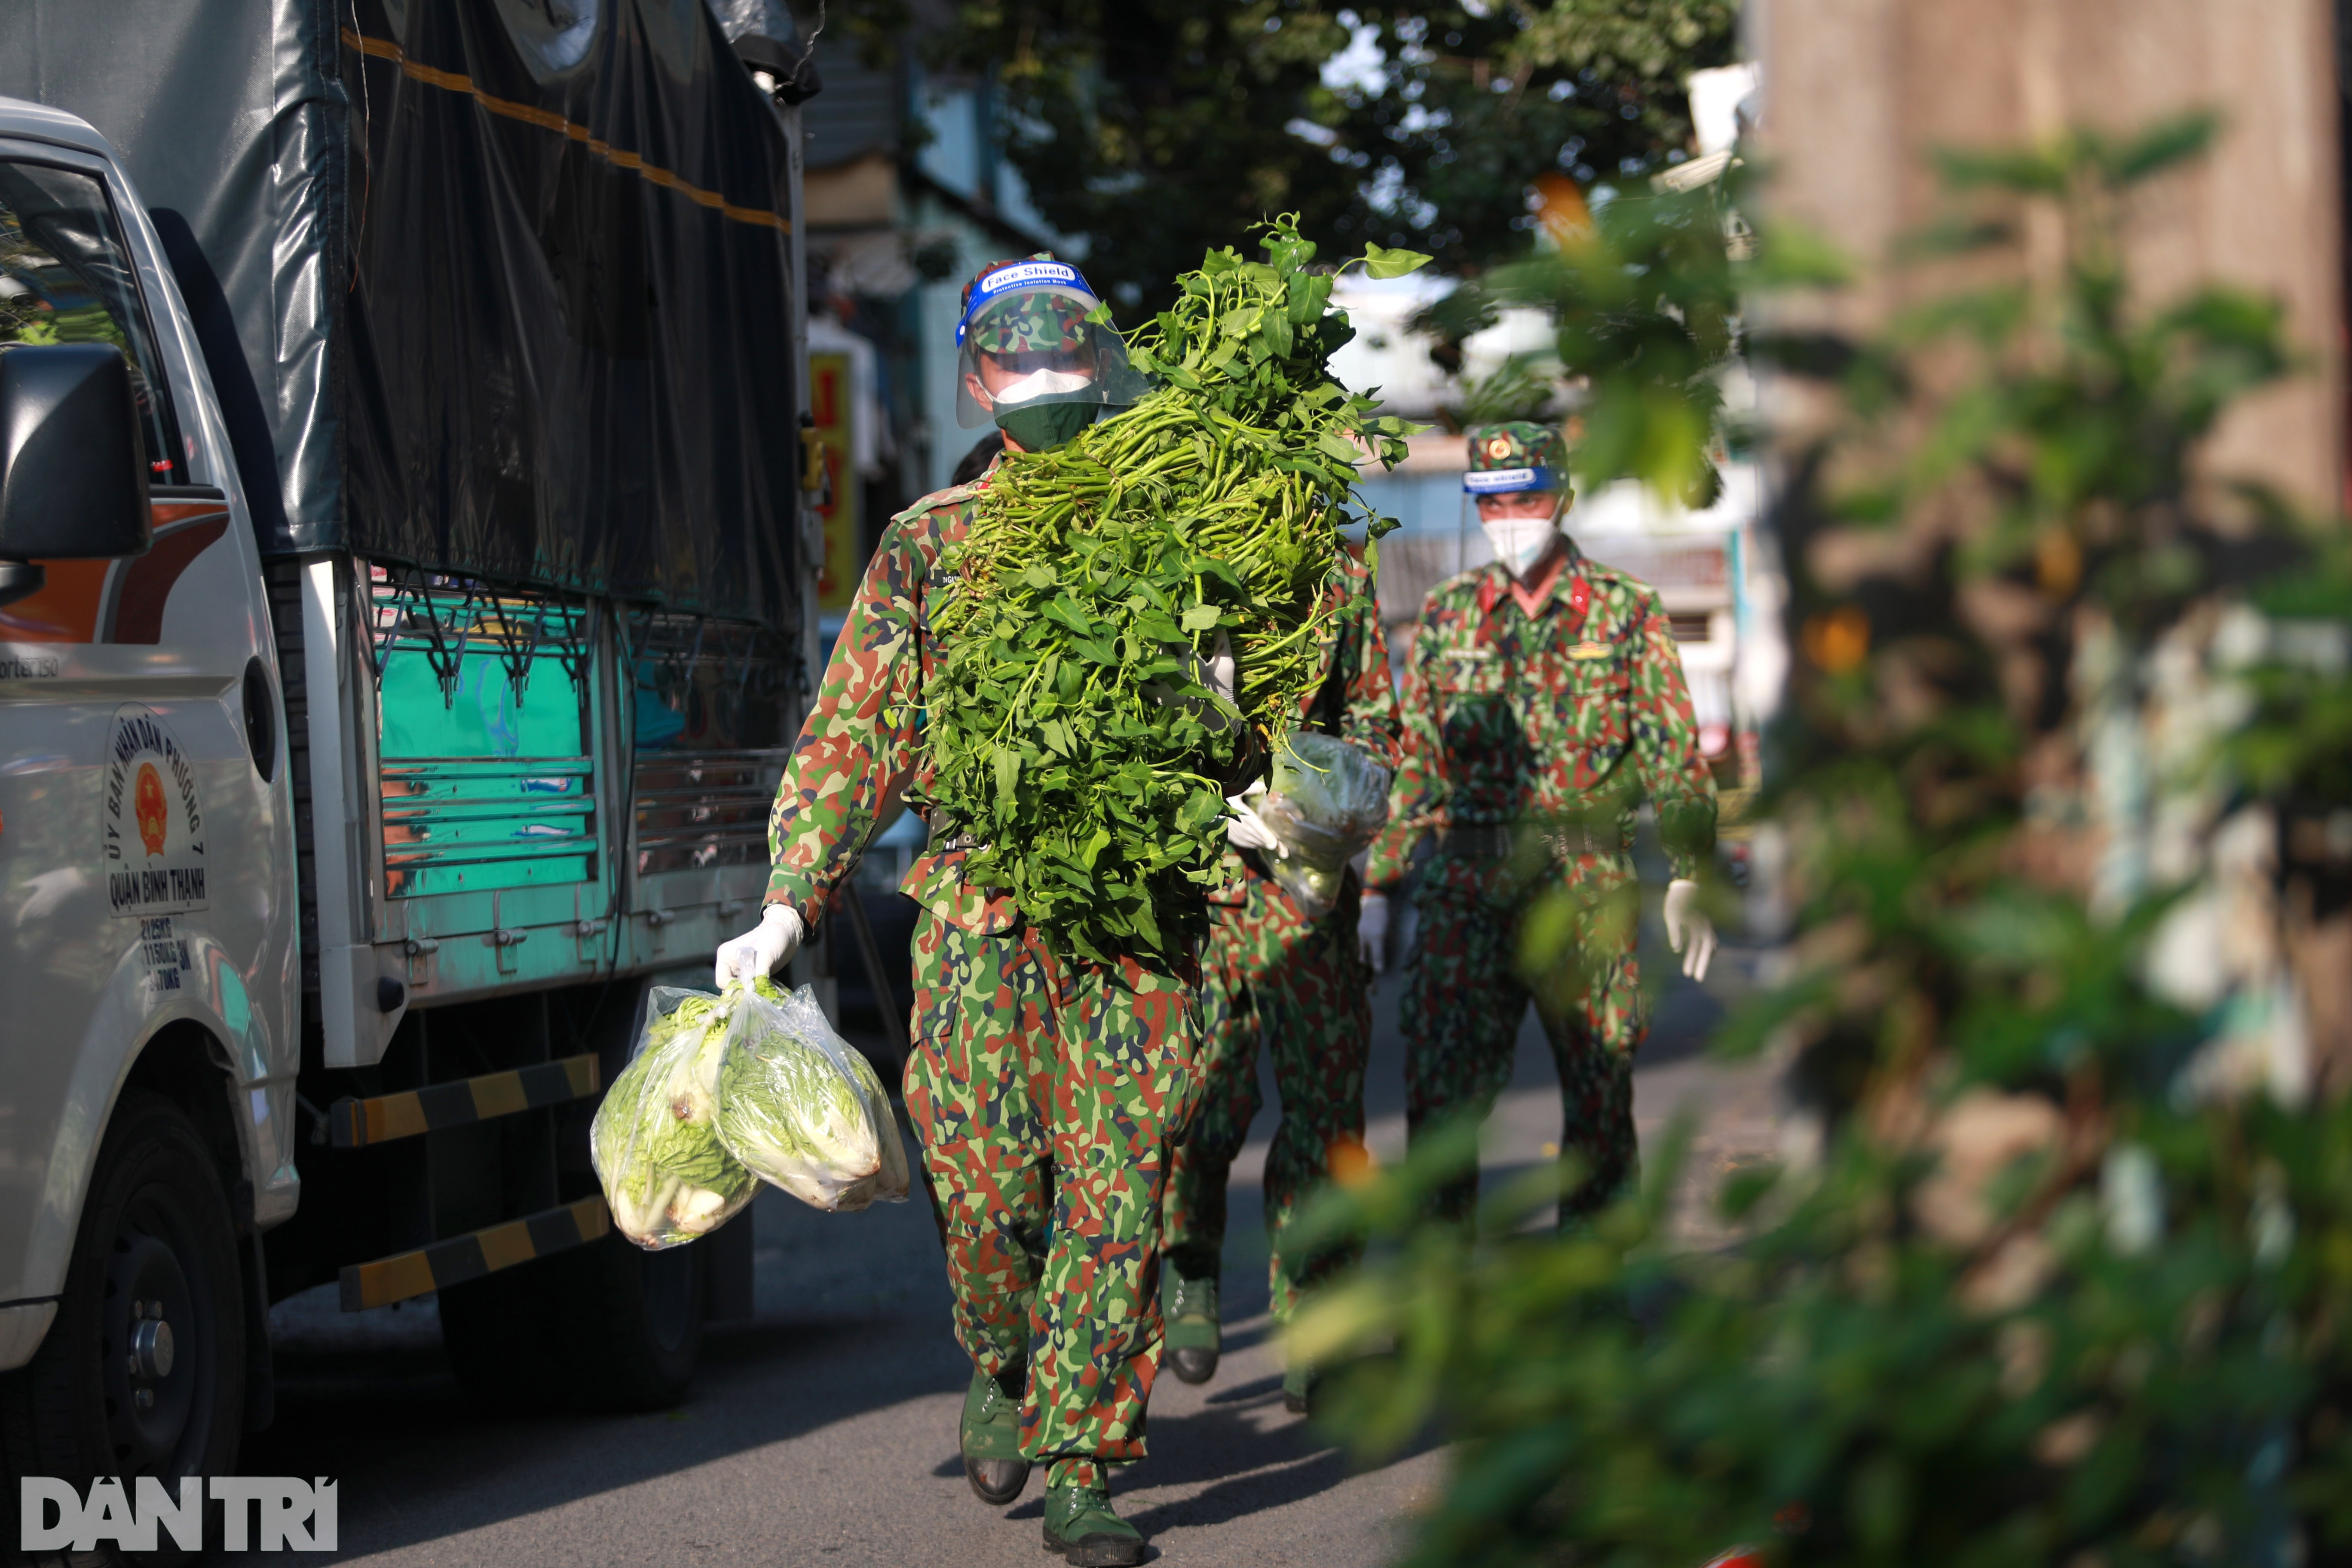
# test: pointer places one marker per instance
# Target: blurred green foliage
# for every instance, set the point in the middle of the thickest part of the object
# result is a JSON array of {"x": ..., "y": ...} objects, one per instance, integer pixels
[
  {"x": 1159, "y": 128},
  {"x": 1524, "y": 386},
  {"x": 2041, "y": 1293},
  {"x": 1645, "y": 304}
]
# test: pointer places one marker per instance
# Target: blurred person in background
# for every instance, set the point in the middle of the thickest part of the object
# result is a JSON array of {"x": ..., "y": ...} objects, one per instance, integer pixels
[
  {"x": 1275, "y": 970},
  {"x": 1543, "y": 702}
]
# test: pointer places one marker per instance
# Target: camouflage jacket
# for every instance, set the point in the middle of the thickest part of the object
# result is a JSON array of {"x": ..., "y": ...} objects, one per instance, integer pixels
[
  {"x": 1559, "y": 723},
  {"x": 1356, "y": 701},
  {"x": 861, "y": 746}
]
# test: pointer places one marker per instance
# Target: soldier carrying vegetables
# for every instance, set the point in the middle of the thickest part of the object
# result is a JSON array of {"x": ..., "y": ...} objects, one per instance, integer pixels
[
  {"x": 1543, "y": 701},
  {"x": 1271, "y": 965},
  {"x": 1043, "y": 1086}
]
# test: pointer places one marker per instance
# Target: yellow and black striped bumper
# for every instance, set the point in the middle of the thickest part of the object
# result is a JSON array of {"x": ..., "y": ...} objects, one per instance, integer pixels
[
  {"x": 356, "y": 1123},
  {"x": 473, "y": 1255}
]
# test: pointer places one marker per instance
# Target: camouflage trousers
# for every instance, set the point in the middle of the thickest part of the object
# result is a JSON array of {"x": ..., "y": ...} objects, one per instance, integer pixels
[
  {"x": 1268, "y": 969},
  {"x": 1044, "y": 1093},
  {"x": 1476, "y": 967}
]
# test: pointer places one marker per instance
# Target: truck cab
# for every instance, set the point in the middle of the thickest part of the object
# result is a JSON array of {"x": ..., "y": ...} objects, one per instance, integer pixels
[
  {"x": 405, "y": 604},
  {"x": 147, "y": 839}
]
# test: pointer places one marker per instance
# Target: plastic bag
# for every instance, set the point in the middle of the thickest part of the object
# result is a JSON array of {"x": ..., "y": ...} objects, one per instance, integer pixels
[
  {"x": 1326, "y": 801},
  {"x": 668, "y": 1178},
  {"x": 801, "y": 1108}
]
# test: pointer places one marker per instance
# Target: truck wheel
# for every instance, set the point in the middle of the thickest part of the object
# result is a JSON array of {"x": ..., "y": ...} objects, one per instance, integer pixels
[
  {"x": 633, "y": 1322},
  {"x": 499, "y": 1334},
  {"x": 601, "y": 1327},
  {"x": 142, "y": 1373}
]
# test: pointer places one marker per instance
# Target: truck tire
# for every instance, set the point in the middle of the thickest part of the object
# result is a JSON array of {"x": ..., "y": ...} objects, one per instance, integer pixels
[
  {"x": 142, "y": 1373},
  {"x": 633, "y": 1322},
  {"x": 601, "y": 1327},
  {"x": 498, "y": 1332}
]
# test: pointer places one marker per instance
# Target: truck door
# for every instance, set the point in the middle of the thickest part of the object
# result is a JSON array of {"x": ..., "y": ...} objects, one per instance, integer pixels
[{"x": 145, "y": 852}]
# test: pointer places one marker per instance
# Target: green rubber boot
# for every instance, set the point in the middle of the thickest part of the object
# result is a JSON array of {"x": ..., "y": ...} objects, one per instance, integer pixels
[
  {"x": 991, "y": 1437},
  {"x": 1299, "y": 1382},
  {"x": 1194, "y": 1337},
  {"x": 1080, "y": 1525}
]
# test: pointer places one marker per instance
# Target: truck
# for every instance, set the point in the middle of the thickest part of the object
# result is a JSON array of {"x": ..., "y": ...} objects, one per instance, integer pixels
[{"x": 406, "y": 603}]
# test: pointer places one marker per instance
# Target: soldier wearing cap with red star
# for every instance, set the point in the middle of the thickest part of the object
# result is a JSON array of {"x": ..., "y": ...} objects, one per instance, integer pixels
[{"x": 1544, "y": 702}]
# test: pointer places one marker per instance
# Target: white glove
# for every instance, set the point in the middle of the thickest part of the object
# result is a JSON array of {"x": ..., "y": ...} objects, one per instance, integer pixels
[
  {"x": 1688, "y": 931},
  {"x": 1245, "y": 829},
  {"x": 1373, "y": 931},
  {"x": 760, "y": 950},
  {"x": 1219, "y": 676}
]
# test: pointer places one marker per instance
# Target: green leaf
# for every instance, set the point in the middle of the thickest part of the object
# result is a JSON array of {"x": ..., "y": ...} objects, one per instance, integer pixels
[
  {"x": 1200, "y": 618},
  {"x": 1337, "y": 445},
  {"x": 1381, "y": 261},
  {"x": 1275, "y": 332},
  {"x": 1068, "y": 613},
  {"x": 1308, "y": 298}
]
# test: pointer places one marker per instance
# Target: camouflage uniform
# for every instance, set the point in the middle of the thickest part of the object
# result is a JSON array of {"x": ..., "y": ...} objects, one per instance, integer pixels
[
  {"x": 1529, "y": 742},
  {"x": 1044, "y": 1090},
  {"x": 1269, "y": 967}
]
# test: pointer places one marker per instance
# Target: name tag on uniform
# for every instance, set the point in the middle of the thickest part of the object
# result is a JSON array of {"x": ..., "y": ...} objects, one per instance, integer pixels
[
  {"x": 1473, "y": 653},
  {"x": 1591, "y": 650}
]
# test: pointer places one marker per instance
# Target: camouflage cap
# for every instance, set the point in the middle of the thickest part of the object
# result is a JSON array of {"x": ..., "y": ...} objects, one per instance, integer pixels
[
  {"x": 1037, "y": 305},
  {"x": 1520, "y": 456}
]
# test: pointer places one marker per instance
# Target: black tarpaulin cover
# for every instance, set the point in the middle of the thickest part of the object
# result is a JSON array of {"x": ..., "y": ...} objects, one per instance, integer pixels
[{"x": 490, "y": 286}]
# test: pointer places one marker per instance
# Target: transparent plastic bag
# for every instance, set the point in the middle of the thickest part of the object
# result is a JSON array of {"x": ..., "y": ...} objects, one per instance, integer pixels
[
  {"x": 1326, "y": 802},
  {"x": 802, "y": 1108},
  {"x": 668, "y": 1178}
]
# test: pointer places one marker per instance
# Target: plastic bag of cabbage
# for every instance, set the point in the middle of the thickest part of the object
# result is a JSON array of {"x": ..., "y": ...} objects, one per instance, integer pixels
[
  {"x": 1326, "y": 801},
  {"x": 726, "y": 1091},
  {"x": 668, "y": 1179},
  {"x": 799, "y": 1106}
]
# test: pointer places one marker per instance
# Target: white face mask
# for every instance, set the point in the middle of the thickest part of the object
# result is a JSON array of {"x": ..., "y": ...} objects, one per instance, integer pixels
[
  {"x": 1041, "y": 384},
  {"x": 1520, "y": 542}
]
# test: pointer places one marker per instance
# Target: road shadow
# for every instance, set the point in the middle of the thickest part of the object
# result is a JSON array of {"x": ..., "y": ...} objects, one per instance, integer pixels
[
  {"x": 418, "y": 1459},
  {"x": 855, "y": 1320}
]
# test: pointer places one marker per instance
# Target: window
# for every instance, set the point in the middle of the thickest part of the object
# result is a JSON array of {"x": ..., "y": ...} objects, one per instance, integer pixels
[{"x": 66, "y": 277}]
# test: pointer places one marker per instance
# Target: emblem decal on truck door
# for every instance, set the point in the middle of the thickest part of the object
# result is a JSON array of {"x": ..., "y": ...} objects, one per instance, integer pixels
[{"x": 153, "y": 821}]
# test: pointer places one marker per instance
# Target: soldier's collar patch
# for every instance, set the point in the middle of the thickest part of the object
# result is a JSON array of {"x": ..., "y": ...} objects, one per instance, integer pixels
[{"x": 1570, "y": 585}]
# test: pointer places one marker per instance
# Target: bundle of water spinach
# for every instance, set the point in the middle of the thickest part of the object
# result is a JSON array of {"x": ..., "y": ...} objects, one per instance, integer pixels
[{"x": 1073, "y": 734}]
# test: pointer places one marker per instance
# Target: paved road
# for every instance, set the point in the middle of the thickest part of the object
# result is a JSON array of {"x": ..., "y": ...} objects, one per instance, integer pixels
[{"x": 824, "y": 1432}]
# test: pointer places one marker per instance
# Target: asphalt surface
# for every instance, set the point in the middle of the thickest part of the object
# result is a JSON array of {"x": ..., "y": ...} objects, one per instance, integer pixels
[{"x": 823, "y": 1431}]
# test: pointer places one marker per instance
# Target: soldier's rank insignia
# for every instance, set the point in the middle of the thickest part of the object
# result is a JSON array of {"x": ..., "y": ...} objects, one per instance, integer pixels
[{"x": 1590, "y": 651}]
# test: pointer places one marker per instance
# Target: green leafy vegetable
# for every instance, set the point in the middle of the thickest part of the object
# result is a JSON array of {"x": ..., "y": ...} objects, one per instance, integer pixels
[
  {"x": 1075, "y": 736},
  {"x": 1381, "y": 261}
]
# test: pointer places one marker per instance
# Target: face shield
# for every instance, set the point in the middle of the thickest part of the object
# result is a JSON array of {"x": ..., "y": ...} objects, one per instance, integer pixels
[
  {"x": 1518, "y": 511},
  {"x": 1029, "y": 360}
]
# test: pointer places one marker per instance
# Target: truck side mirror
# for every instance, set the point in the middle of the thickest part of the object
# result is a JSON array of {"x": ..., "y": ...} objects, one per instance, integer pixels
[{"x": 73, "y": 461}]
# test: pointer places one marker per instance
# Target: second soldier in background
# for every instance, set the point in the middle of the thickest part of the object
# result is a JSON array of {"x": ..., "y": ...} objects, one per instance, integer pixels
[
  {"x": 1544, "y": 702},
  {"x": 1275, "y": 970}
]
